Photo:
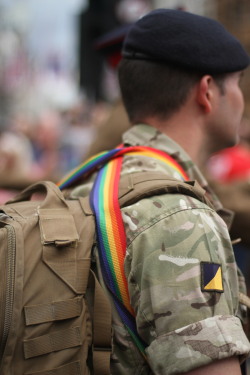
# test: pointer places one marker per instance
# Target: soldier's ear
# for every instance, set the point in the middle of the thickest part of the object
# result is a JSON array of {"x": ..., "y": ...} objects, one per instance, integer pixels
[{"x": 204, "y": 94}]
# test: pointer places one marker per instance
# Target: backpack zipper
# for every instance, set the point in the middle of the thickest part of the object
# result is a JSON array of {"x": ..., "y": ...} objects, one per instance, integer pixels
[{"x": 8, "y": 297}]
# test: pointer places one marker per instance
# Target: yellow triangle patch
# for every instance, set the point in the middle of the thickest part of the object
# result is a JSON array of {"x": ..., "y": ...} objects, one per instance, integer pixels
[{"x": 216, "y": 282}]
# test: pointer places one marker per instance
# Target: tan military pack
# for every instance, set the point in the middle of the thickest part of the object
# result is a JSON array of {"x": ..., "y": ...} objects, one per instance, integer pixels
[{"x": 47, "y": 325}]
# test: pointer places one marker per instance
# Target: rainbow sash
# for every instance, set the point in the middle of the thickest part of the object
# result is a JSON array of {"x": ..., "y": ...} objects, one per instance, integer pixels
[
  {"x": 96, "y": 161},
  {"x": 109, "y": 224}
]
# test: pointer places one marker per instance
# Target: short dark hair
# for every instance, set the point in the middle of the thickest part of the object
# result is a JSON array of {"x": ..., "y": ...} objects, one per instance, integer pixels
[{"x": 155, "y": 89}]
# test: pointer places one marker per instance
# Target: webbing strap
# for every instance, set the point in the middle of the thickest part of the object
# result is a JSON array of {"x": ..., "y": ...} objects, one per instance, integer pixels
[
  {"x": 49, "y": 312},
  {"x": 72, "y": 368},
  {"x": 101, "y": 362},
  {"x": 136, "y": 186},
  {"x": 102, "y": 337},
  {"x": 52, "y": 342}
]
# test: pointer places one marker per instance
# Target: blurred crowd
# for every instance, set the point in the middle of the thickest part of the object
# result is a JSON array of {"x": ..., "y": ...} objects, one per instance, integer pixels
[{"x": 47, "y": 144}]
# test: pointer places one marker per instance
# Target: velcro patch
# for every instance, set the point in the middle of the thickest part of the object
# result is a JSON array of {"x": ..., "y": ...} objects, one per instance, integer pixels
[{"x": 211, "y": 277}]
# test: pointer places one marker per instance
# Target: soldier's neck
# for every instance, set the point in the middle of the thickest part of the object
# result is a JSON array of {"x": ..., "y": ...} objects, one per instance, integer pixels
[{"x": 187, "y": 132}]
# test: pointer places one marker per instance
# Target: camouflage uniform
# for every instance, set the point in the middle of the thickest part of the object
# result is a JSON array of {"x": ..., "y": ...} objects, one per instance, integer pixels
[{"x": 172, "y": 240}]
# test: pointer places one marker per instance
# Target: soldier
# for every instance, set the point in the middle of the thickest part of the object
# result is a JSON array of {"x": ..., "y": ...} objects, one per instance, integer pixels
[{"x": 179, "y": 78}]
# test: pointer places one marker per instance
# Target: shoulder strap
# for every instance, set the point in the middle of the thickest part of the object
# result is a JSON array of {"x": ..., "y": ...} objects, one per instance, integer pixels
[
  {"x": 102, "y": 331},
  {"x": 139, "y": 185}
]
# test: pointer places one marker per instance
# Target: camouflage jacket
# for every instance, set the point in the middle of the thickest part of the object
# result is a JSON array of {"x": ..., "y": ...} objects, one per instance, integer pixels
[{"x": 182, "y": 277}]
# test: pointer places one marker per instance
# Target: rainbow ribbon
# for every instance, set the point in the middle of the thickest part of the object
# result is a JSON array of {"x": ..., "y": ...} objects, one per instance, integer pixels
[
  {"x": 96, "y": 161},
  {"x": 110, "y": 228}
]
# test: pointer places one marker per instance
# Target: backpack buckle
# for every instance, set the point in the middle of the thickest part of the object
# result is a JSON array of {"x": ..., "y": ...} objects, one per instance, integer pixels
[{"x": 102, "y": 348}]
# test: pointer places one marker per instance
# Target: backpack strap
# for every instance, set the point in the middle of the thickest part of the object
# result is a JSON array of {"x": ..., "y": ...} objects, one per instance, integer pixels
[
  {"x": 139, "y": 185},
  {"x": 101, "y": 317},
  {"x": 102, "y": 332}
]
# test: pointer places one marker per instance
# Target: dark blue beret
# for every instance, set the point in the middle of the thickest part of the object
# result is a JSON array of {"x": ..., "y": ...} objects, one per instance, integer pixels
[{"x": 185, "y": 40}]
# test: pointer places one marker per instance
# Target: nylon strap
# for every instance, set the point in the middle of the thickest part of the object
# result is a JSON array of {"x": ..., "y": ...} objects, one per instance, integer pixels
[
  {"x": 49, "y": 312},
  {"x": 73, "y": 368},
  {"x": 102, "y": 338},
  {"x": 139, "y": 185},
  {"x": 52, "y": 342}
]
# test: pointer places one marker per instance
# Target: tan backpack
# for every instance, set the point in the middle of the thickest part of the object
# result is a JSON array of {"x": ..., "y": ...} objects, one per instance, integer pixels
[{"x": 46, "y": 324}]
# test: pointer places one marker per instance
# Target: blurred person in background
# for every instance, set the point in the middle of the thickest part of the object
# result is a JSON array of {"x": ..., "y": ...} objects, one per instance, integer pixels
[
  {"x": 15, "y": 163},
  {"x": 45, "y": 138},
  {"x": 79, "y": 127},
  {"x": 233, "y": 164},
  {"x": 109, "y": 132},
  {"x": 228, "y": 172}
]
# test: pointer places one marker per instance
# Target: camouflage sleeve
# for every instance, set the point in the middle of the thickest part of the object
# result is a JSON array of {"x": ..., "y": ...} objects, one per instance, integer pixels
[{"x": 183, "y": 283}]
